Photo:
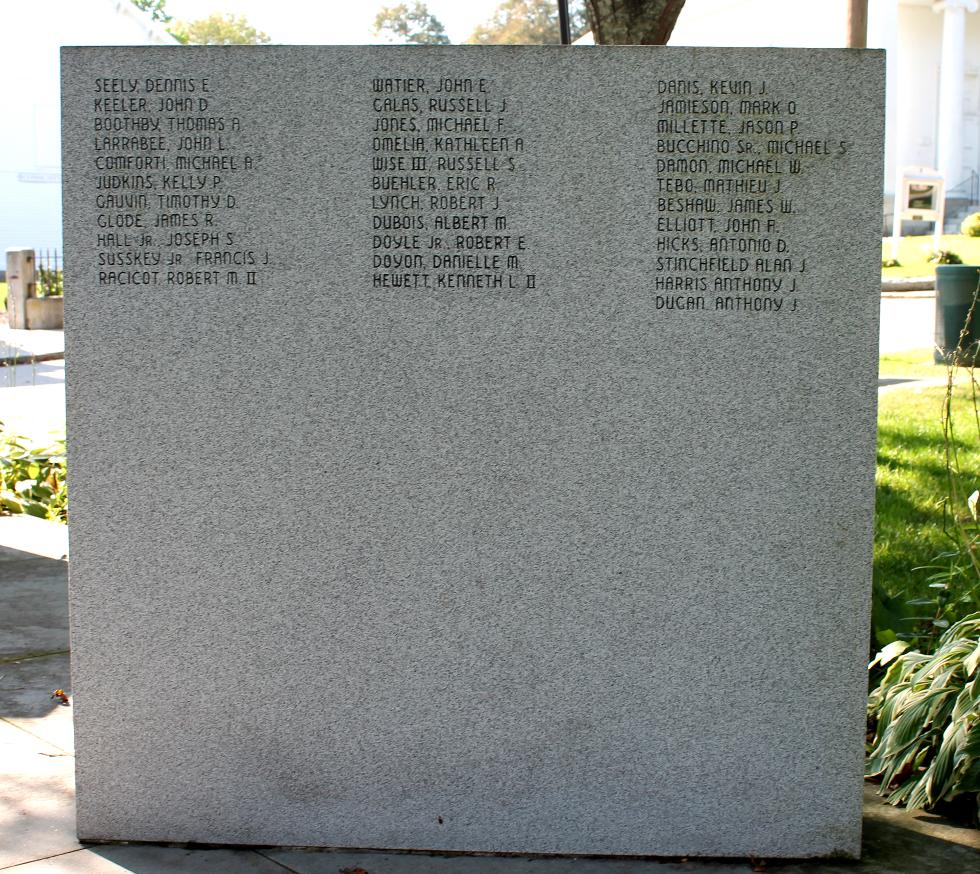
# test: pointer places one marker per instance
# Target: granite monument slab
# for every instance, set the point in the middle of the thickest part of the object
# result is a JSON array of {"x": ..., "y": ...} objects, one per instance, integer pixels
[{"x": 472, "y": 448}]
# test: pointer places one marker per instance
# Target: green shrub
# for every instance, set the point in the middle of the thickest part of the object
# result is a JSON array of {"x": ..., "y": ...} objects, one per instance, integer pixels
[
  {"x": 971, "y": 225},
  {"x": 50, "y": 282},
  {"x": 926, "y": 714},
  {"x": 944, "y": 256},
  {"x": 32, "y": 481}
]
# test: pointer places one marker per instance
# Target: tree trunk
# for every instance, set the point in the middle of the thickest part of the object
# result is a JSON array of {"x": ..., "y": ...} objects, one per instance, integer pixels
[
  {"x": 857, "y": 24},
  {"x": 632, "y": 22}
]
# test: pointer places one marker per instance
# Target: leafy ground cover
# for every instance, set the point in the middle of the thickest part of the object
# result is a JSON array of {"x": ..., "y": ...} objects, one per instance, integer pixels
[{"x": 913, "y": 254}]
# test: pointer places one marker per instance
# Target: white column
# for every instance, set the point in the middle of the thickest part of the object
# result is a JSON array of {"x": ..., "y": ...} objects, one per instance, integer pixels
[
  {"x": 949, "y": 151},
  {"x": 883, "y": 34}
]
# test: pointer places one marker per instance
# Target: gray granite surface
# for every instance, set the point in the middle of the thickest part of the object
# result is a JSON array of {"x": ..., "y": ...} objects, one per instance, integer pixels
[{"x": 563, "y": 554}]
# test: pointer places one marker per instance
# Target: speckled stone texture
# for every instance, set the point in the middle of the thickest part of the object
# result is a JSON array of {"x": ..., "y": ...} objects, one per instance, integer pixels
[{"x": 562, "y": 569}]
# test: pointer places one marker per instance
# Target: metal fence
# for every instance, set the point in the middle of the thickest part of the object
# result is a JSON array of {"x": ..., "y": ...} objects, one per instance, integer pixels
[{"x": 49, "y": 275}]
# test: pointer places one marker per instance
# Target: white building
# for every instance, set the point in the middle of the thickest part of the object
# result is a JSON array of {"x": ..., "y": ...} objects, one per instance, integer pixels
[
  {"x": 30, "y": 148},
  {"x": 933, "y": 71}
]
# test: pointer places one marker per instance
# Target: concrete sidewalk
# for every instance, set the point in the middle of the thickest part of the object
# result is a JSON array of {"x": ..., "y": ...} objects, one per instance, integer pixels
[
  {"x": 22, "y": 347},
  {"x": 37, "y": 821}
]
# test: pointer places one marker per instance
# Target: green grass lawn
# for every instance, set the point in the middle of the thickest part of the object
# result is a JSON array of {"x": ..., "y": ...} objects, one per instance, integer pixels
[
  {"x": 912, "y": 483},
  {"x": 917, "y": 363},
  {"x": 913, "y": 252},
  {"x": 3, "y": 295}
]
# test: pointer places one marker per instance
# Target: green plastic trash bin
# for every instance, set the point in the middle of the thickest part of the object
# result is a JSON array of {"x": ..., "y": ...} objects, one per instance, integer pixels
[{"x": 956, "y": 287}]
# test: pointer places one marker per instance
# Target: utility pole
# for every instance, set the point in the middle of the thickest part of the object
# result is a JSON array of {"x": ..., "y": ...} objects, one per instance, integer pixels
[
  {"x": 857, "y": 24},
  {"x": 566, "y": 33}
]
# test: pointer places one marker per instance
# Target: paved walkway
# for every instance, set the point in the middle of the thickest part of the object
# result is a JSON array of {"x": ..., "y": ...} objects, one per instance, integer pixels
[
  {"x": 28, "y": 346},
  {"x": 908, "y": 321},
  {"x": 32, "y": 384}
]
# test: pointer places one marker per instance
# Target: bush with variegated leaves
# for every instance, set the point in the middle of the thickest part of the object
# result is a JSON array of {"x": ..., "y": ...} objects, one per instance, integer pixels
[{"x": 926, "y": 713}]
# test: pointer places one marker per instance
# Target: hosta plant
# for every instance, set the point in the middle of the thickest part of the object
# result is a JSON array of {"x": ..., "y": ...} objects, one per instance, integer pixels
[
  {"x": 32, "y": 481},
  {"x": 926, "y": 713}
]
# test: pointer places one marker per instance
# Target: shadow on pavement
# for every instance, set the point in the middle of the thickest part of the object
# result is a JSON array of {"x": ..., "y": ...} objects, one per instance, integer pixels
[
  {"x": 895, "y": 380},
  {"x": 33, "y": 634},
  {"x": 894, "y": 842}
]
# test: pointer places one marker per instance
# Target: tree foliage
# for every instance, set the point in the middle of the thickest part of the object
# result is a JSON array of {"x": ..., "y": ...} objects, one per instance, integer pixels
[
  {"x": 414, "y": 25},
  {"x": 219, "y": 30},
  {"x": 156, "y": 8},
  {"x": 632, "y": 22},
  {"x": 528, "y": 22}
]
